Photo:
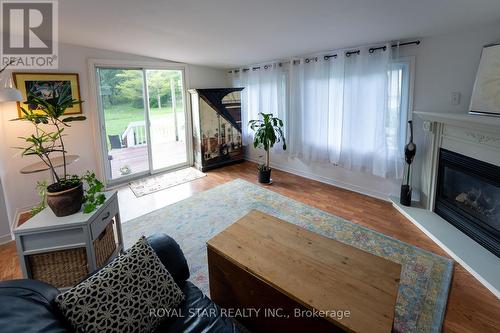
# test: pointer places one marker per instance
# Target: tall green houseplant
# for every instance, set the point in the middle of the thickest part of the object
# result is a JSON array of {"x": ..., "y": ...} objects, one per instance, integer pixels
[
  {"x": 65, "y": 195},
  {"x": 268, "y": 132}
]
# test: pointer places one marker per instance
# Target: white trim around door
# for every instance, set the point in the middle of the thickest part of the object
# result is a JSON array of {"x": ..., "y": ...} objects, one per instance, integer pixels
[{"x": 98, "y": 119}]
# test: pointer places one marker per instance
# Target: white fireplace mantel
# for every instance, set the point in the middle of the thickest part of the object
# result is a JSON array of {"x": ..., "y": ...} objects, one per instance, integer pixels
[
  {"x": 475, "y": 136},
  {"x": 480, "y": 122}
]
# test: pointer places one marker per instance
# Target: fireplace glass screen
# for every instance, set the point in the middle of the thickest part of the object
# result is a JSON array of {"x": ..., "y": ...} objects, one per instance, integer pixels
[
  {"x": 468, "y": 196},
  {"x": 473, "y": 195}
]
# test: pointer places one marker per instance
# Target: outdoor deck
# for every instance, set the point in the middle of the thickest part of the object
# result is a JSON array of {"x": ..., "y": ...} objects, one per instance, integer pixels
[{"x": 136, "y": 158}]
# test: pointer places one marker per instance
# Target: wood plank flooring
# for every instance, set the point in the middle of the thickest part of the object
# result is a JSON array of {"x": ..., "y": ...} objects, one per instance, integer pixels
[{"x": 471, "y": 307}]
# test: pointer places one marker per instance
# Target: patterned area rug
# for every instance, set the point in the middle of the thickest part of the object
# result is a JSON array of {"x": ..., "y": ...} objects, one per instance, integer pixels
[
  {"x": 425, "y": 277},
  {"x": 163, "y": 181}
]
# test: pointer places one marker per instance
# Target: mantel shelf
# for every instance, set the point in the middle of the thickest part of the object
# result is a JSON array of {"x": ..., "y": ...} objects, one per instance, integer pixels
[
  {"x": 481, "y": 263},
  {"x": 483, "y": 122}
]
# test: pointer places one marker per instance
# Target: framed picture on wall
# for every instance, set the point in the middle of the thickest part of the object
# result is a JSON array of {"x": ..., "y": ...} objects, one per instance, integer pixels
[
  {"x": 486, "y": 93},
  {"x": 47, "y": 86}
]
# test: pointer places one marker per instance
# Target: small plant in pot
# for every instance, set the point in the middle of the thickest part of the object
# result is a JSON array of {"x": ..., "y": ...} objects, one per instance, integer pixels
[
  {"x": 92, "y": 198},
  {"x": 65, "y": 195},
  {"x": 268, "y": 132}
]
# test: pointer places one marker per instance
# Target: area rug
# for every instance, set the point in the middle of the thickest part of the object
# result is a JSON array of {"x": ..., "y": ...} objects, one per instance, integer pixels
[
  {"x": 157, "y": 183},
  {"x": 425, "y": 277}
]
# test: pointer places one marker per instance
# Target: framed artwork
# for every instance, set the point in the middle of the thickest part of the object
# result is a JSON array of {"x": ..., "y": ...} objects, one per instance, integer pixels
[
  {"x": 486, "y": 93},
  {"x": 46, "y": 85}
]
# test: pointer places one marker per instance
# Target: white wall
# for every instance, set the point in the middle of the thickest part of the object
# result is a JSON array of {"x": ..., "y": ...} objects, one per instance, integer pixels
[
  {"x": 443, "y": 64},
  {"x": 446, "y": 64},
  {"x": 19, "y": 189},
  {"x": 4, "y": 219},
  {"x": 4, "y": 225}
]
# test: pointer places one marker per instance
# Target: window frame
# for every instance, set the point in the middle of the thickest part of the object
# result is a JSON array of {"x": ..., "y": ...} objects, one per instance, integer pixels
[
  {"x": 406, "y": 66},
  {"x": 98, "y": 118},
  {"x": 410, "y": 63}
]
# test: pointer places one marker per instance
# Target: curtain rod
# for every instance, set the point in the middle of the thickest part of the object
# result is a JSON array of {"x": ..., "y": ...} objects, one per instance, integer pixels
[{"x": 326, "y": 57}]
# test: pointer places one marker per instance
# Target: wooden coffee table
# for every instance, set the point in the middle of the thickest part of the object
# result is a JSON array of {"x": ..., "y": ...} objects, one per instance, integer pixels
[{"x": 277, "y": 277}]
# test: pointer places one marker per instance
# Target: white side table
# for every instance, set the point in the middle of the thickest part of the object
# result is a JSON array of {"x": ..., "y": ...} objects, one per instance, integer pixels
[{"x": 46, "y": 233}]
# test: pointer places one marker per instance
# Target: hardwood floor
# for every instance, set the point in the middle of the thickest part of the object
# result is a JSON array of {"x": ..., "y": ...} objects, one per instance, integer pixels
[{"x": 471, "y": 307}]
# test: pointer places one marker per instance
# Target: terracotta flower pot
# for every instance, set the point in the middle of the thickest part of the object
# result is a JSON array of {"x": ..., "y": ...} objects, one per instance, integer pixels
[{"x": 67, "y": 201}]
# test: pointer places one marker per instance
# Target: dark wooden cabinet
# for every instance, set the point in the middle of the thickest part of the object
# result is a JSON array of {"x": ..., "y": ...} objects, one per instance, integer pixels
[{"x": 217, "y": 138}]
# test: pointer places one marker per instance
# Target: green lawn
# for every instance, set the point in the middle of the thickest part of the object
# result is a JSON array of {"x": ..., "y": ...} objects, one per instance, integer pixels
[{"x": 117, "y": 117}]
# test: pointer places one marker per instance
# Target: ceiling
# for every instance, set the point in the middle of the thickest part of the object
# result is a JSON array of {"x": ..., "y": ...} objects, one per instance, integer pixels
[{"x": 230, "y": 33}]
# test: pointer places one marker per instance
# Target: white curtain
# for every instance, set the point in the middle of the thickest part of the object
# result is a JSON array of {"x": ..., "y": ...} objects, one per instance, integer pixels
[
  {"x": 345, "y": 110},
  {"x": 265, "y": 91},
  {"x": 367, "y": 137},
  {"x": 308, "y": 118}
]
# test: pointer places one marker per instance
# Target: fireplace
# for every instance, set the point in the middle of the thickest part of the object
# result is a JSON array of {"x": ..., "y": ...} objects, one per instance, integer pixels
[{"x": 468, "y": 196}]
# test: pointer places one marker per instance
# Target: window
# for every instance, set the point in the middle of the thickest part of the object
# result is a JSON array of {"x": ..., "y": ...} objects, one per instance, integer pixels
[
  {"x": 265, "y": 91},
  {"x": 143, "y": 120},
  {"x": 397, "y": 105},
  {"x": 350, "y": 110}
]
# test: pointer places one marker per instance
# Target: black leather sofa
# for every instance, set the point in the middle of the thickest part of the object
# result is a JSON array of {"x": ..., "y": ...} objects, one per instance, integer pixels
[{"x": 27, "y": 305}]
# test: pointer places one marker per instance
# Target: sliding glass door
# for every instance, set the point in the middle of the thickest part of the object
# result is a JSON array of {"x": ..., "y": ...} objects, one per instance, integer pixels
[
  {"x": 143, "y": 121},
  {"x": 167, "y": 118}
]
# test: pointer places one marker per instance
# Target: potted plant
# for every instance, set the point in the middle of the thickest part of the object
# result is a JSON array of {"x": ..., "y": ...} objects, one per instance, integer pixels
[
  {"x": 65, "y": 195},
  {"x": 268, "y": 131}
]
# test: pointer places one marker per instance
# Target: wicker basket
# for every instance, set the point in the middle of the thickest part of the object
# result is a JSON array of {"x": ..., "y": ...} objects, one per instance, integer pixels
[
  {"x": 65, "y": 268},
  {"x": 104, "y": 245}
]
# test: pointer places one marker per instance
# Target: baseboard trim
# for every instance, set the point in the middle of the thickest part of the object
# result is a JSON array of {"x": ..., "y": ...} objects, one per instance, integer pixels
[
  {"x": 5, "y": 238},
  {"x": 326, "y": 180}
]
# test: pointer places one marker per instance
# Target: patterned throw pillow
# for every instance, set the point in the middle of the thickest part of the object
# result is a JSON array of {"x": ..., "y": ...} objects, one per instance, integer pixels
[{"x": 120, "y": 297}]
